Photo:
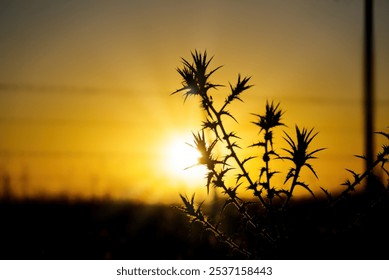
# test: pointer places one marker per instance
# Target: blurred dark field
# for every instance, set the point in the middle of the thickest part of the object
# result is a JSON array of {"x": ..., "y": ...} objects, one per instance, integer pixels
[
  {"x": 59, "y": 229},
  {"x": 96, "y": 230}
]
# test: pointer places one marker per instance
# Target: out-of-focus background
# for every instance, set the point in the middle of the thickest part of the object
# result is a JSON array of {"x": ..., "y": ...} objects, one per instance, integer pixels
[
  {"x": 84, "y": 86},
  {"x": 85, "y": 106}
]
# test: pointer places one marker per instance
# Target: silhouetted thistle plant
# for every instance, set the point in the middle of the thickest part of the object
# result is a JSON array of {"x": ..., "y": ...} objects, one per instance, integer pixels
[
  {"x": 266, "y": 123},
  {"x": 299, "y": 156},
  {"x": 259, "y": 231}
]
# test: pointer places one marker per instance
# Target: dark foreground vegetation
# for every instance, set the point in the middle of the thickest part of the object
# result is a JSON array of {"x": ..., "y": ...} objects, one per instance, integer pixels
[
  {"x": 96, "y": 230},
  {"x": 355, "y": 229}
]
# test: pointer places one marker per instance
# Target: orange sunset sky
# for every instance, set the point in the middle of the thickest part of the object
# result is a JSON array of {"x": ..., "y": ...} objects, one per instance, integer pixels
[{"x": 85, "y": 105}]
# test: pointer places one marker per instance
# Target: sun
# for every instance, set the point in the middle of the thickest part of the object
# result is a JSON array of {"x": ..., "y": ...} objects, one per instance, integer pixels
[{"x": 182, "y": 163}]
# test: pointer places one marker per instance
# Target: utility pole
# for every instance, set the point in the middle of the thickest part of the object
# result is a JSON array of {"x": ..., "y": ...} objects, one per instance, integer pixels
[{"x": 369, "y": 83}]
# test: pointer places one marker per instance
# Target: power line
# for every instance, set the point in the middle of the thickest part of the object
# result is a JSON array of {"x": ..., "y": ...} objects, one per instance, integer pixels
[
  {"x": 70, "y": 154},
  {"x": 70, "y": 122},
  {"x": 46, "y": 89},
  {"x": 369, "y": 82},
  {"x": 117, "y": 92}
]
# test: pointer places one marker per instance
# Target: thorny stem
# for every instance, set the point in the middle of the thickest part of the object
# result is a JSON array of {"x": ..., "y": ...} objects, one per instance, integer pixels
[
  {"x": 226, "y": 239},
  {"x": 290, "y": 193},
  {"x": 243, "y": 210},
  {"x": 234, "y": 154},
  {"x": 357, "y": 180},
  {"x": 267, "y": 163},
  {"x": 197, "y": 215}
]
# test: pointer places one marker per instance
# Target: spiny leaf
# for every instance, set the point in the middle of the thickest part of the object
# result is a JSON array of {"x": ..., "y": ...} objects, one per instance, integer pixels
[
  {"x": 290, "y": 174},
  {"x": 327, "y": 193},
  {"x": 233, "y": 145},
  {"x": 263, "y": 170},
  {"x": 384, "y": 134},
  {"x": 305, "y": 186},
  {"x": 239, "y": 176},
  {"x": 361, "y": 157},
  {"x": 350, "y": 186},
  {"x": 346, "y": 183},
  {"x": 227, "y": 114},
  {"x": 309, "y": 155},
  {"x": 312, "y": 170},
  {"x": 248, "y": 159},
  {"x": 356, "y": 176},
  {"x": 210, "y": 175},
  {"x": 218, "y": 182},
  {"x": 272, "y": 152},
  {"x": 384, "y": 153},
  {"x": 210, "y": 124},
  {"x": 271, "y": 174},
  {"x": 259, "y": 144},
  {"x": 241, "y": 86},
  {"x": 231, "y": 135},
  {"x": 189, "y": 205},
  {"x": 230, "y": 192},
  {"x": 226, "y": 158}
]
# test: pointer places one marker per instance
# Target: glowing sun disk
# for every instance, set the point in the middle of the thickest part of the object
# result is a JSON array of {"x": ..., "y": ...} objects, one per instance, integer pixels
[{"x": 182, "y": 163}]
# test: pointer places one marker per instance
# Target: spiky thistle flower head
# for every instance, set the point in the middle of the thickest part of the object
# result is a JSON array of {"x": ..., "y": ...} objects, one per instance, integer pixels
[
  {"x": 298, "y": 150},
  {"x": 271, "y": 118},
  {"x": 195, "y": 75}
]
